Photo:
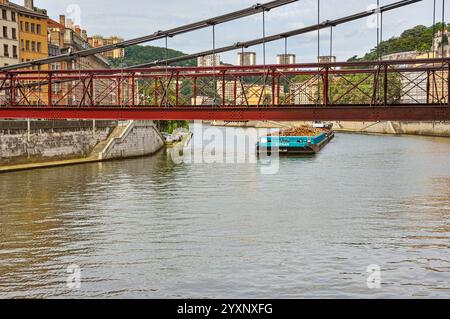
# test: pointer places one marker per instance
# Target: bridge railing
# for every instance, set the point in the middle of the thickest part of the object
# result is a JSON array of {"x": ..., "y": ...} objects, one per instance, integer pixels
[{"x": 378, "y": 83}]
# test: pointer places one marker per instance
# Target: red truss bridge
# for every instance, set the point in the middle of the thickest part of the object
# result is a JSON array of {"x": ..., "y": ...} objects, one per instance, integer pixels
[
  {"x": 407, "y": 90},
  {"x": 360, "y": 91}
]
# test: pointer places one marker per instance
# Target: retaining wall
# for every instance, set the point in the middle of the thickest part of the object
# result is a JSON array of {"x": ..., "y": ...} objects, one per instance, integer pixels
[
  {"x": 46, "y": 145},
  {"x": 140, "y": 138}
]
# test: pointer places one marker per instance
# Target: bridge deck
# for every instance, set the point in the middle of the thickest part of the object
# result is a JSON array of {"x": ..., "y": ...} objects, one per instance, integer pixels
[{"x": 279, "y": 113}]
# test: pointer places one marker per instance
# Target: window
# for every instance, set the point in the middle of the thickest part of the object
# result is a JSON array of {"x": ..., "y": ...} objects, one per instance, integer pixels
[
  {"x": 5, "y": 50},
  {"x": 39, "y": 47},
  {"x": 21, "y": 26},
  {"x": 33, "y": 28},
  {"x": 27, "y": 45},
  {"x": 13, "y": 16},
  {"x": 38, "y": 28},
  {"x": 14, "y": 51},
  {"x": 27, "y": 26},
  {"x": 33, "y": 46},
  {"x": 14, "y": 33},
  {"x": 5, "y": 32},
  {"x": 22, "y": 47},
  {"x": 4, "y": 15}
]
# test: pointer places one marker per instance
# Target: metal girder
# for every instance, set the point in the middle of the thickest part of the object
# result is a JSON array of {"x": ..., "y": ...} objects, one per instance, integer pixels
[{"x": 279, "y": 113}]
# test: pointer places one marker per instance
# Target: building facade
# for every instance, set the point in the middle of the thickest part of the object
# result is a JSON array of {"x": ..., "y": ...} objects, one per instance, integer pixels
[
  {"x": 327, "y": 59},
  {"x": 9, "y": 36},
  {"x": 65, "y": 37},
  {"x": 304, "y": 93},
  {"x": 409, "y": 55},
  {"x": 439, "y": 46},
  {"x": 33, "y": 28},
  {"x": 99, "y": 41},
  {"x": 208, "y": 60},
  {"x": 286, "y": 59},
  {"x": 246, "y": 58}
]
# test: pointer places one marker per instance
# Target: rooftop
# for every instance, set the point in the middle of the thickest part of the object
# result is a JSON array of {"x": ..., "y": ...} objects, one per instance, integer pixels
[{"x": 40, "y": 13}]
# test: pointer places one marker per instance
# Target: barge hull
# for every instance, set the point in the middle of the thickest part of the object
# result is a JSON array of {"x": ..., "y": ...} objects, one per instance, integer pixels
[{"x": 308, "y": 150}]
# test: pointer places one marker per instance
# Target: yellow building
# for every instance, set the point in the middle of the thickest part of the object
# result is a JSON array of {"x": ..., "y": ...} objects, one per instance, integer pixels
[
  {"x": 98, "y": 41},
  {"x": 258, "y": 94},
  {"x": 33, "y": 28}
]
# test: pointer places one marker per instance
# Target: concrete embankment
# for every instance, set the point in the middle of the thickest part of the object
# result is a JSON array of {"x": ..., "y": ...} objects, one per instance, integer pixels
[
  {"x": 49, "y": 144},
  {"x": 437, "y": 129}
]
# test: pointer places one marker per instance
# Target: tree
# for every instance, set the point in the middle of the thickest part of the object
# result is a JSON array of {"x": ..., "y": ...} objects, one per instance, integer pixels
[{"x": 418, "y": 38}]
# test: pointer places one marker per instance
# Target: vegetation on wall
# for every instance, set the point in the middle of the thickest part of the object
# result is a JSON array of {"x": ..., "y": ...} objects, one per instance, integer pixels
[{"x": 418, "y": 39}]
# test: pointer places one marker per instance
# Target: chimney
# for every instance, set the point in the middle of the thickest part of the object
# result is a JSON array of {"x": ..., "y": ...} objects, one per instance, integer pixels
[
  {"x": 70, "y": 24},
  {"x": 78, "y": 29},
  {"x": 62, "y": 19},
  {"x": 29, "y": 4}
]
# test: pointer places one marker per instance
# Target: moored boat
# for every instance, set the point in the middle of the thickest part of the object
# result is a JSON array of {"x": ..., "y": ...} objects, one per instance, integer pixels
[{"x": 300, "y": 141}]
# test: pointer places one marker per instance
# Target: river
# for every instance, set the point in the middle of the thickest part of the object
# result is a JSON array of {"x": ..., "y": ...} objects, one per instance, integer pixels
[{"x": 366, "y": 207}]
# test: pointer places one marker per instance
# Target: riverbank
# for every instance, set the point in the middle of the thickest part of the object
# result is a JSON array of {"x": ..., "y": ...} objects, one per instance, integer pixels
[
  {"x": 60, "y": 148},
  {"x": 30, "y": 166},
  {"x": 432, "y": 129}
]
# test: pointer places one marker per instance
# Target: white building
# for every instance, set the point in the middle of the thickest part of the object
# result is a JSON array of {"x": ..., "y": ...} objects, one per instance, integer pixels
[
  {"x": 327, "y": 59},
  {"x": 246, "y": 58},
  {"x": 208, "y": 60},
  {"x": 9, "y": 34},
  {"x": 304, "y": 93},
  {"x": 286, "y": 59}
]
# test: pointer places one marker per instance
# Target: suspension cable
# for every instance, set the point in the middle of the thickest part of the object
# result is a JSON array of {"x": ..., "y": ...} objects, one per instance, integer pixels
[
  {"x": 214, "y": 63},
  {"x": 166, "y": 80},
  {"x": 318, "y": 31},
  {"x": 443, "y": 52},
  {"x": 378, "y": 30},
  {"x": 318, "y": 51},
  {"x": 434, "y": 30},
  {"x": 381, "y": 33},
  {"x": 286, "y": 46},
  {"x": 443, "y": 29},
  {"x": 159, "y": 35},
  {"x": 264, "y": 36},
  {"x": 331, "y": 41}
]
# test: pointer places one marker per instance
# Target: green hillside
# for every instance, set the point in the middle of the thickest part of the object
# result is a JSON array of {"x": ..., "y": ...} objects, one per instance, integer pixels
[
  {"x": 142, "y": 54},
  {"x": 418, "y": 39}
]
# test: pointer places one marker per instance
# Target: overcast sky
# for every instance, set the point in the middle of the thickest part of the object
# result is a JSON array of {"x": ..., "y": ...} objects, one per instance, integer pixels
[{"x": 134, "y": 18}]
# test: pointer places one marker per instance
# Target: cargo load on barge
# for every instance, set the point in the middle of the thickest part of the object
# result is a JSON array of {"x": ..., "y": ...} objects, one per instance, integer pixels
[{"x": 299, "y": 141}]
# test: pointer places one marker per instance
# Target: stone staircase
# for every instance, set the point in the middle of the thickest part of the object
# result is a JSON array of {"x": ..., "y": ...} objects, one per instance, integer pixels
[{"x": 100, "y": 147}]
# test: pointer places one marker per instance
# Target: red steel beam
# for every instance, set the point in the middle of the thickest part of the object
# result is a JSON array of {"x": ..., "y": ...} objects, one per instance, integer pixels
[
  {"x": 158, "y": 70},
  {"x": 283, "y": 113}
]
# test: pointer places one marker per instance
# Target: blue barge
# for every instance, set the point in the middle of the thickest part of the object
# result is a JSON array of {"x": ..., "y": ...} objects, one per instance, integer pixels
[{"x": 294, "y": 145}]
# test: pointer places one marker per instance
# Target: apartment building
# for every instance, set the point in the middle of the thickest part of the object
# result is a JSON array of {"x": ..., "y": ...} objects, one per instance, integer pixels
[
  {"x": 246, "y": 58},
  {"x": 97, "y": 41},
  {"x": 9, "y": 34},
  {"x": 33, "y": 28},
  {"x": 208, "y": 60}
]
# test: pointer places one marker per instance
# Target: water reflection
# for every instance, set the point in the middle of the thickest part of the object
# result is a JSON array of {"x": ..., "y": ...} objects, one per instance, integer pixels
[{"x": 151, "y": 228}]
